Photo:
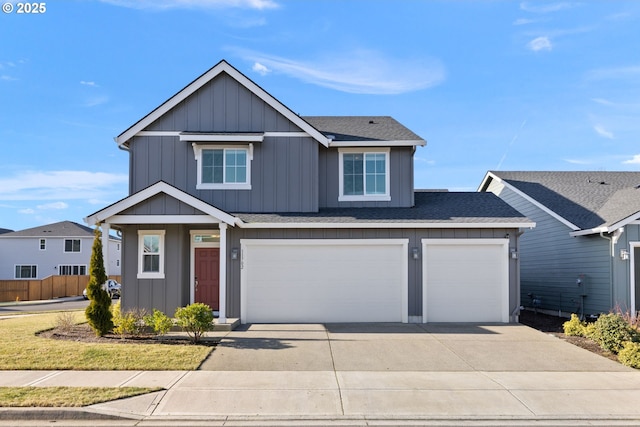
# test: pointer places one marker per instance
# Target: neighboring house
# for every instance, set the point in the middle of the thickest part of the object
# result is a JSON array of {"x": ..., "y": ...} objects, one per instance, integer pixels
[
  {"x": 62, "y": 248},
  {"x": 5, "y": 230},
  {"x": 584, "y": 254},
  {"x": 301, "y": 219}
]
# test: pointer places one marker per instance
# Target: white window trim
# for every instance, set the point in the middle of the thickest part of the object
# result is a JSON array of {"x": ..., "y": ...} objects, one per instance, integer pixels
[
  {"x": 150, "y": 275},
  {"x": 40, "y": 244},
  {"x": 25, "y": 265},
  {"x": 197, "y": 149},
  {"x": 63, "y": 266},
  {"x": 64, "y": 246},
  {"x": 365, "y": 197}
]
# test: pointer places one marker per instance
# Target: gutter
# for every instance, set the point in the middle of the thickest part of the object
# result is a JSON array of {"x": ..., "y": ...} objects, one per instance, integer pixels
[{"x": 613, "y": 240}]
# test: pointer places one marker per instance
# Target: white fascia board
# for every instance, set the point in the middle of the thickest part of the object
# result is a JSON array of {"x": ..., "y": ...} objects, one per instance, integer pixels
[
  {"x": 633, "y": 219},
  {"x": 162, "y": 219},
  {"x": 374, "y": 143},
  {"x": 216, "y": 137},
  {"x": 532, "y": 201},
  {"x": 222, "y": 66},
  {"x": 383, "y": 225},
  {"x": 158, "y": 133},
  {"x": 160, "y": 187}
]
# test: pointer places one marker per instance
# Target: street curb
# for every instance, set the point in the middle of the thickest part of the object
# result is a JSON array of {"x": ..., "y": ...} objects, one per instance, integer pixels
[
  {"x": 39, "y": 302},
  {"x": 54, "y": 414}
]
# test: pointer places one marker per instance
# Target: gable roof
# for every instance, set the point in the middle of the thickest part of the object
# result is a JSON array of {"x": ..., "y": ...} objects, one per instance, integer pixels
[
  {"x": 590, "y": 201},
  {"x": 153, "y": 190},
  {"x": 58, "y": 229},
  {"x": 433, "y": 209},
  {"x": 221, "y": 67},
  {"x": 5, "y": 230},
  {"x": 364, "y": 130}
]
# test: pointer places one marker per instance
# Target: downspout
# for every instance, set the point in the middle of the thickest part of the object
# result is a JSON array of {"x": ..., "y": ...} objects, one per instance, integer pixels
[
  {"x": 515, "y": 314},
  {"x": 613, "y": 241}
]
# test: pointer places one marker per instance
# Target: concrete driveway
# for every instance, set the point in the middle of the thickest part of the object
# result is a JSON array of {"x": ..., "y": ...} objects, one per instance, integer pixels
[{"x": 371, "y": 372}]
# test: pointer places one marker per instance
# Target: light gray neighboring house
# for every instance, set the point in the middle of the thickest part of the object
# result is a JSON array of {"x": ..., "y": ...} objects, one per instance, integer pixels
[
  {"x": 62, "y": 248},
  {"x": 584, "y": 254},
  {"x": 267, "y": 216}
]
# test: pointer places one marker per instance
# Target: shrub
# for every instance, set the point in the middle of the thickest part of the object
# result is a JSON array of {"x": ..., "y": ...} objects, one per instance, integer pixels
[
  {"x": 98, "y": 314},
  {"x": 130, "y": 322},
  {"x": 630, "y": 354},
  {"x": 65, "y": 321},
  {"x": 574, "y": 327},
  {"x": 195, "y": 320},
  {"x": 612, "y": 330},
  {"x": 159, "y": 322}
]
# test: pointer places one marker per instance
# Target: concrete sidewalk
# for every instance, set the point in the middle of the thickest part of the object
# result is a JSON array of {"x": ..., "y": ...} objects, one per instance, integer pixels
[{"x": 369, "y": 375}]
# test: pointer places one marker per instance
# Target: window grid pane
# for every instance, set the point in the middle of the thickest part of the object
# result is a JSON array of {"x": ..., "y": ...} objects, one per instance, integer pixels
[
  {"x": 352, "y": 174},
  {"x": 375, "y": 173}
]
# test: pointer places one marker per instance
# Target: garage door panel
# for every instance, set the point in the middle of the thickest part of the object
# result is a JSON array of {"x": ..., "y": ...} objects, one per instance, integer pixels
[
  {"x": 465, "y": 281},
  {"x": 324, "y": 281}
]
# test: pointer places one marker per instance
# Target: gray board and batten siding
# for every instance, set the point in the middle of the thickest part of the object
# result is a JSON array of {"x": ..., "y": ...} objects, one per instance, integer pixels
[{"x": 288, "y": 174}]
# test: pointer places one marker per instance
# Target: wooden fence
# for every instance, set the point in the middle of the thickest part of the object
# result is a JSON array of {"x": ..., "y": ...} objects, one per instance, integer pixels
[{"x": 47, "y": 288}]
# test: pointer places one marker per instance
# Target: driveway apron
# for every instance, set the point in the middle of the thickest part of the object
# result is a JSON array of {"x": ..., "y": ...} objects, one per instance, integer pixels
[{"x": 400, "y": 371}]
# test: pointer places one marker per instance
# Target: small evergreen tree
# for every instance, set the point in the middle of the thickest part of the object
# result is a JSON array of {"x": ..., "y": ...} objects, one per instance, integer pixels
[{"x": 98, "y": 312}]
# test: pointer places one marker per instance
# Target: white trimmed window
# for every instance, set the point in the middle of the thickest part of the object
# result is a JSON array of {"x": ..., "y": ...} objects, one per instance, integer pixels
[
  {"x": 151, "y": 254},
  {"x": 223, "y": 167},
  {"x": 364, "y": 175},
  {"x": 72, "y": 245},
  {"x": 26, "y": 272},
  {"x": 43, "y": 244},
  {"x": 72, "y": 270}
]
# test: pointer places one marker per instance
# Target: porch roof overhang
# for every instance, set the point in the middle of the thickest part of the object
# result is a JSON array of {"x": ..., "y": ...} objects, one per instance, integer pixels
[{"x": 113, "y": 214}]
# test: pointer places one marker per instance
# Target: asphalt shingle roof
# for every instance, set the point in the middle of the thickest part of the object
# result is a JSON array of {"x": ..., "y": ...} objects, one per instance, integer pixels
[
  {"x": 430, "y": 207},
  {"x": 58, "y": 229},
  {"x": 586, "y": 199},
  {"x": 361, "y": 128}
]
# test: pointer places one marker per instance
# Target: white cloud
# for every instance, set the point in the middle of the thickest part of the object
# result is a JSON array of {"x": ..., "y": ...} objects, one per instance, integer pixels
[
  {"x": 54, "y": 205},
  {"x": 60, "y": 185},
  {"x": 523, "y": 21},
  {"x": 260, "y": 69},
  {"x": 546, "y": 8},
  {"x": 540, "y": 43},
  {"x": 600, "y": 130},
  {"x": 7, "y": 78},
  {"x": 362, "y": 71},
  {"x": 633, "y": 161},
  {"x": 88, "y": 83},
  {"x": 578, "y": 161},
  {"x": 194, "y": 4},
  {"x": 26, "y": 211},
  {"x": 96, "y": 100}
]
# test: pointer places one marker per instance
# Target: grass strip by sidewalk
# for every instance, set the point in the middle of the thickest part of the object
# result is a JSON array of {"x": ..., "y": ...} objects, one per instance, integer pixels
[
  {"x": 21, "y": 349},
  {"x": 65, "y": 397}
]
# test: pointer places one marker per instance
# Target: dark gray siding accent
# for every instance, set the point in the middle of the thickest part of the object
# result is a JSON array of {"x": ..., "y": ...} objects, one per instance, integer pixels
[
  {"x": 401, "y": 180},
  {"x": 552, "y": 261},
  {"x": 163, "y": 294},
  {"x": 162, "y": 204},
  {"x": 414, "y": 268}
]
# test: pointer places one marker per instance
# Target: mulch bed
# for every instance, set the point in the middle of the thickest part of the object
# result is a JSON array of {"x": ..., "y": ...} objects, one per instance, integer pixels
[
  {"x": 553, "y": 325},
  {"x": 84, "y": 333}
]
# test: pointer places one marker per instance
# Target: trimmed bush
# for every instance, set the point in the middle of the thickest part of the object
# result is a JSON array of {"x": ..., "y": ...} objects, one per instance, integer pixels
[
  {"x": 574, "y": 327},
  {"x": 195, "y": 320},
  {"x": 130, "y": 322},
  {"x": 611, "y": 332},
  {"x": 159, "y": 322},
  {"x": 630, "y": 354}
]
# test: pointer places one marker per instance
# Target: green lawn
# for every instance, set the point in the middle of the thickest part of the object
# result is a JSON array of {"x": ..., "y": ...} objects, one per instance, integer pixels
[
  {"x": 20, "y": 349},
  {"x": 60, "y": 397}
]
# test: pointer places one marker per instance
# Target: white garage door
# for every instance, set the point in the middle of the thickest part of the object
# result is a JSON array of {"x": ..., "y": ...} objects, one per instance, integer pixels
[
  {"x": 308, "y": 281},
  {"x": 466, "y": 280}
]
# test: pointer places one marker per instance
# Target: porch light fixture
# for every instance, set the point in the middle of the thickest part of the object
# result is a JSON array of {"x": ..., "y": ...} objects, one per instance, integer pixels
[
  {"x": 234, "y": 253},
  {"x": 624, "y": 254},
  {"x": 415, "y": 253}
]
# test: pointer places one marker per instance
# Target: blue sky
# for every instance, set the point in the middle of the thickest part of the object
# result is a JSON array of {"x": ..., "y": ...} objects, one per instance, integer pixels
[{"x": 489, "y": 84}]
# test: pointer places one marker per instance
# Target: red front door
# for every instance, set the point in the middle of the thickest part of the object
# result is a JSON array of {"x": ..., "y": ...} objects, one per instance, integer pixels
[{"x": 207, "y": 268}]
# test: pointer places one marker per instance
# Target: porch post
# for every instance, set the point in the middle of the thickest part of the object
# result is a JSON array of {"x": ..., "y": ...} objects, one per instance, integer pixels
[
  {"x": 106, "y": 228},
  {"x": 222, "y": 310}
]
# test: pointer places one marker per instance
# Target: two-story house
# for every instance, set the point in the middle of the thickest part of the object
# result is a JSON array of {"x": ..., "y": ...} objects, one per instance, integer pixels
[
  {"x": 267, "y": 216},
  {"x": 62, "y": 248}
]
